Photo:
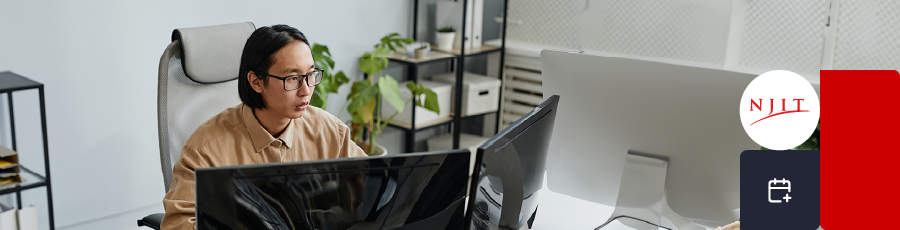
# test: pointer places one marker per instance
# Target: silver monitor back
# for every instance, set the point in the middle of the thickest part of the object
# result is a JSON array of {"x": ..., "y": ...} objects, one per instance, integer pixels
[{"x": 614, "y": 105}]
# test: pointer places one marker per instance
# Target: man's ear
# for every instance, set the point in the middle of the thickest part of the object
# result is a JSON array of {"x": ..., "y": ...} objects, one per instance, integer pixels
[{"x": 254, "y": 82}]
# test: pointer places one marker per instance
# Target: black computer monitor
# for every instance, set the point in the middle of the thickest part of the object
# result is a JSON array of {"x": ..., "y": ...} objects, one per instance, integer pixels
[
  {"x": 409, "y": 191},
  {"x": 512, "y": 171}
]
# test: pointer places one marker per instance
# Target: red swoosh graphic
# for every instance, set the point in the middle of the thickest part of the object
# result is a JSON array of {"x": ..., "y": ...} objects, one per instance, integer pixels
[{"x": 785, "y": 112}]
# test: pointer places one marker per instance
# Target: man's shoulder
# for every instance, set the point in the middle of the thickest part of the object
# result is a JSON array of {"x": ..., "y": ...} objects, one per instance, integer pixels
[{"x": 217, "y": 126}]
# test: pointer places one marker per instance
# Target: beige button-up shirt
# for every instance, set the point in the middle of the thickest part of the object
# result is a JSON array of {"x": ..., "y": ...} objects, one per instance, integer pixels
[{"x": 235, "y": 137}]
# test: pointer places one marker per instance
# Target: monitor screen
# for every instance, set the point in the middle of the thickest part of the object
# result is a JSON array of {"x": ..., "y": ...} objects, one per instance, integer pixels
[
  {"x": 409, "y": 191},
  {"x": 512, "y": 171}
]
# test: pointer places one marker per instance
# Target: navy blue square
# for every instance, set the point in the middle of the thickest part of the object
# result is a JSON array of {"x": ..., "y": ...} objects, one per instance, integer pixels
[{"x": 780, "y": 189}]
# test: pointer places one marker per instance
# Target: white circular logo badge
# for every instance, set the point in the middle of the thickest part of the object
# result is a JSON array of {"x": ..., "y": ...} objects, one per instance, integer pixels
[{"x": 779, "y": 110}]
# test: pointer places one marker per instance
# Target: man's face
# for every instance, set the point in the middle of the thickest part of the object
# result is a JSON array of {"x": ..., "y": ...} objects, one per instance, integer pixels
[{"x": 295, "y": 58}]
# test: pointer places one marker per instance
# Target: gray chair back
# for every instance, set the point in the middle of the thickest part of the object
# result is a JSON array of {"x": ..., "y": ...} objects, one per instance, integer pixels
[{"x": 197, "y": 80}]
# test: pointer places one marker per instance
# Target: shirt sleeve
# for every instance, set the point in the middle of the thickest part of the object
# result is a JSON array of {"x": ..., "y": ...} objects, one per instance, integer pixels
[
  {"x": 348, "y": 147},
  {"x": 179, "y": 201}
]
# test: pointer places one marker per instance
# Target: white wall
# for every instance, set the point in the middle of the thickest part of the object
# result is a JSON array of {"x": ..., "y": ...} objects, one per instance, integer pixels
[{"x": 98, "y": 61}]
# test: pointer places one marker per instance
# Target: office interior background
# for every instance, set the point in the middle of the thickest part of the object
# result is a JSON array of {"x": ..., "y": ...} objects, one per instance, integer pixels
[{"x": 99, "y": 60}]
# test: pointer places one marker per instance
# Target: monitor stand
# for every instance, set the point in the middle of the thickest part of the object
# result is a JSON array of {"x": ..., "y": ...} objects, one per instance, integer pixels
[{"x": 641, "y": 204}]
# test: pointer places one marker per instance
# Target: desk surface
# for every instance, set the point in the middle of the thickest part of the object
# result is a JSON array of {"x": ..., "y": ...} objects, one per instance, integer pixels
[{"x": 560, "y": 211}]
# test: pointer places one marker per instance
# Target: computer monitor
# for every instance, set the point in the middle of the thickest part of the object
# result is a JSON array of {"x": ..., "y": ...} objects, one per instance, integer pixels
[
  {"x": 688, "y": 115},
  {"x": 512, "y": 171},
  {"x": 409, "y": 191}
]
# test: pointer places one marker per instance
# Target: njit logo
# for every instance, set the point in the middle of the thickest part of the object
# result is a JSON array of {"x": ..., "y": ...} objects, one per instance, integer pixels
[
  {"x": 783, "y": 109},
  {"x": 771, "y": 108}
]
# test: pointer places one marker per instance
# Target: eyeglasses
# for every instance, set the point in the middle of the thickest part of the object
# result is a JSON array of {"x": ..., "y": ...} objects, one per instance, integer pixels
[{"x": 292, "y": 82}]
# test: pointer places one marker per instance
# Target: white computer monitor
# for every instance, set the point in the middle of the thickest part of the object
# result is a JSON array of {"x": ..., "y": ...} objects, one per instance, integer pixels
[{"x": 614, "y": 105}]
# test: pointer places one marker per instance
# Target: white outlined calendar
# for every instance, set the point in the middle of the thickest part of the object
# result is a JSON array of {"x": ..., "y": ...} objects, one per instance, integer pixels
[{"x": 785, "y": 184}]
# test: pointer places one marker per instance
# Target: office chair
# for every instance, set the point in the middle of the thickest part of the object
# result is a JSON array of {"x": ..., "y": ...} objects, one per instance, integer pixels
[{"x": 197, "y": 74}]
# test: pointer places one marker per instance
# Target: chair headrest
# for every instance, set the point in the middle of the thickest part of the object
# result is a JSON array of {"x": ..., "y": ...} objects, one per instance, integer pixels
[{"x": 212, "y": 54}]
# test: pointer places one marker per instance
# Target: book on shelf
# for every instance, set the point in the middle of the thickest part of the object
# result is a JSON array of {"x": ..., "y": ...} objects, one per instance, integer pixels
[
  {"x": 449, "y": 13},
  {"x": 9, "y": 167}
]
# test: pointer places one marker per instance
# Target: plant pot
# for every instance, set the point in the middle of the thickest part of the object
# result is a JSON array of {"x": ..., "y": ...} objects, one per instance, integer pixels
[
  {"x": 378, "y": 150},
  {"x": 421, "y": 53},
  {"x": 444, "y": 41}
]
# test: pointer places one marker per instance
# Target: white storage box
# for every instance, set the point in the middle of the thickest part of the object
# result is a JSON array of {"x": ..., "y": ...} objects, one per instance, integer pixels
[
  {"x": 422, "y": 115},
  {"x": 466, "y": 141},
  {"x": 481, "y": 94}
]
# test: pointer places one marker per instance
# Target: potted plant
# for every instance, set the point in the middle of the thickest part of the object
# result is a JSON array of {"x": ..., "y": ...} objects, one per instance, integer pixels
[
  {"x": 444, "y": 38},
  {"x": 366, "y": 95},
  {"x": 422, "y": 51},
  {"x": 331, "y": 81}
]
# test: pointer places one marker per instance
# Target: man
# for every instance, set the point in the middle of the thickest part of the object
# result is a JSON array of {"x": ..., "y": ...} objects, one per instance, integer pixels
[{"x": 273, "y": 124}]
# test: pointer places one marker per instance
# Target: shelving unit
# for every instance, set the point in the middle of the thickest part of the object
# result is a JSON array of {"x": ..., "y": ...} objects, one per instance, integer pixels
[
  {"x": 456, "y": 57},
  {"x": 9, "y": 83}
]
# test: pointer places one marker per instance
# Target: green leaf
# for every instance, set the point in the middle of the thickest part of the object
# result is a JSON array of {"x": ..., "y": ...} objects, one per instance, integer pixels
[
  {"x": 381, "y": 52},
  {"x": 362, "y": 93},
  {"x": 320, "y": 49},
  {"x": 391, "y": 47},
  {"x": 340, "y": 79},
  {"x": 412, "y": 87},
  {"x": 372, "y": 63},
  {"x": 324, "y": 86},
  {"x": 390, "y": 92},
  {"x": 330, "y": 82},
  {"x": 357, "y": 86},
  {"x": 365, "y": 112},
  {"x": 318, "y": 99},
  {"x": 357, "y": 120},
  {"x": 394, "y": 42},
  {"x": 322, "y": 56},
  {"x": 431, "y": 101},
  {"x": 325, "y": 63},
  {"x": 369, "y": 64}
]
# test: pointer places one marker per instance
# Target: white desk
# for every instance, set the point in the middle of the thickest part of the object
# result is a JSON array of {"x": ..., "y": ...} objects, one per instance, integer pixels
[{"x": 560, "y": 211}]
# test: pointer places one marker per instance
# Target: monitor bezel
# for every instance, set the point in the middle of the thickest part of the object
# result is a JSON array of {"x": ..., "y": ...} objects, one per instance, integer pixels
[{"x": 509, "y": 133}]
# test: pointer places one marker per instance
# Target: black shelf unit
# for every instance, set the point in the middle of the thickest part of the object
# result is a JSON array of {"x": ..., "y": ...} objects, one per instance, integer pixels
[
  {"x": 457, "y": 61},
  {"x": 9, "y": 83}
]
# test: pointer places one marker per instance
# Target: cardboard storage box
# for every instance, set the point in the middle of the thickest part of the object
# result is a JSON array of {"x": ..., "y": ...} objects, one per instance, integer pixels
[
  {"x": 422, "y": 115},
  {"x": 466, "y": 141},
  {"x": 480, "y": 94}
]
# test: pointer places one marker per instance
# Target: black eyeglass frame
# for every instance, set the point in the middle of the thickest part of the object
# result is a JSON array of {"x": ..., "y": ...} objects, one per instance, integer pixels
[{"x": 303, "y": 78}]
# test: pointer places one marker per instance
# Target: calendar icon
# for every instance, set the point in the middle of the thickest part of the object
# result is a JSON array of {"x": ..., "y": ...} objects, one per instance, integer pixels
[{"x": 784, "y": 185}]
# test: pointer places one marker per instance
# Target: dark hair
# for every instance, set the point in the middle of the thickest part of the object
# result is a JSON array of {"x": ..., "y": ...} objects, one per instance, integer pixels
[{"x": 258, "y": 57}]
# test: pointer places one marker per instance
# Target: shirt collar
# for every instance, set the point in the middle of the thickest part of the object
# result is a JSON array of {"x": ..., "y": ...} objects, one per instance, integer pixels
[{"x": 258, "y": 134}]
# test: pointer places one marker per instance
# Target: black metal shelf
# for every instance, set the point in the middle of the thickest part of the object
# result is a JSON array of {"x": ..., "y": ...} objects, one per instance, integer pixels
[
  {"x": 13, "y": 82},
  {"x": 457, "y": 57},
  {"x": 29, "y": 180},
  {"x": 10, "y": 83},
  {"x": 437, "y": 122},
  {"x": 432, "y": 57},
  {"x": 484, "y": 49},
  {"x": 409, "y": 127}
]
